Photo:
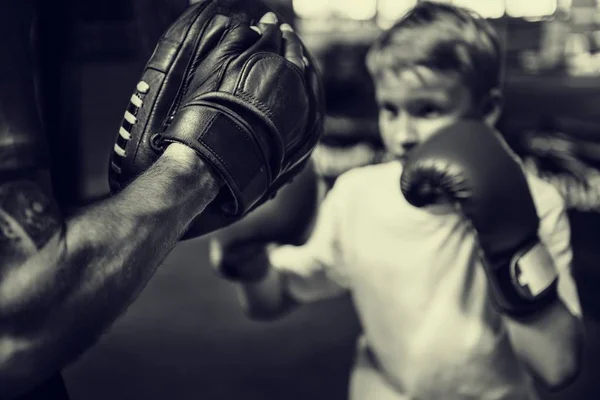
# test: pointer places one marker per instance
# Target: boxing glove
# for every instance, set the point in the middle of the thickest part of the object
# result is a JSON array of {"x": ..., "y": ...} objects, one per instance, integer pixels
[
  {"x": 238, "y": 251},
  {"x": 469, "y": 164}
]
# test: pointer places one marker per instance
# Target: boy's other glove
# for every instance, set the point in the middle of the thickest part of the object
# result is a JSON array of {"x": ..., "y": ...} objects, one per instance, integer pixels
[{"x": 238, "y": 252}]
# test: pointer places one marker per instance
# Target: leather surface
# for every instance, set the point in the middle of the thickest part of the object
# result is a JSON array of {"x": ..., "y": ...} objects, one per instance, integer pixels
[{"x": 471, "y": 164}]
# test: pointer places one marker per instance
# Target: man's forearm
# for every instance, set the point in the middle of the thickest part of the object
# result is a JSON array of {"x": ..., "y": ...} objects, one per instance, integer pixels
[
  {"x": 549, "y": 343},
  {"x": 61, "y": 298}
]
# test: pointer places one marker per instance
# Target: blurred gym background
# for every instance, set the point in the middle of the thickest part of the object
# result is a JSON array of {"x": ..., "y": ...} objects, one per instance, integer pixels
[{"x": 185, "y": 337}]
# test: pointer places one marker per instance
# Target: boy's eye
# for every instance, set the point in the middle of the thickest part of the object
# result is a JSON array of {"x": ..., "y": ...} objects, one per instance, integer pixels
[
  {"x": 388, "y": 108},
  {"x": 427, "y": 110}
]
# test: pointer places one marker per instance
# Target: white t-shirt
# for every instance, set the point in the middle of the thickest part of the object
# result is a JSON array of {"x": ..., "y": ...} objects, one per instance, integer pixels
[{"x": 429, "y": 328}]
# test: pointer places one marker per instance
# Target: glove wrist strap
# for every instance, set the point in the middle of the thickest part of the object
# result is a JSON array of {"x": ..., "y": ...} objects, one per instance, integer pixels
[{"x": 527, "y": 284}]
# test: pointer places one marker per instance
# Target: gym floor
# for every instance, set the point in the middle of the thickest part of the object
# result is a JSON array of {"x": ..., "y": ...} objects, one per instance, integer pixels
[{"x": 186, "y": 338}]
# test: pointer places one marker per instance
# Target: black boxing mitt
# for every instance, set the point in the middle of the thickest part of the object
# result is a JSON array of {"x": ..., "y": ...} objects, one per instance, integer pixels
[{"x": 224, "y": 90}]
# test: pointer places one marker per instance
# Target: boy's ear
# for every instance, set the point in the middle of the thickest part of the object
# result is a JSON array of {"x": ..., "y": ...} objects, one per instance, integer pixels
[{"x": 491, "y": 108}]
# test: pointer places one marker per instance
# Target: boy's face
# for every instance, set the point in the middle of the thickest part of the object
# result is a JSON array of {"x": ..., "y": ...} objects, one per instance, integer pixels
[{"x": 415, "y": 103}]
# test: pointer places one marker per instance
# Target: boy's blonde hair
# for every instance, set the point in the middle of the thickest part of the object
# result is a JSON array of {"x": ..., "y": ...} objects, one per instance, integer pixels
[{"x": 442, "y": 37}]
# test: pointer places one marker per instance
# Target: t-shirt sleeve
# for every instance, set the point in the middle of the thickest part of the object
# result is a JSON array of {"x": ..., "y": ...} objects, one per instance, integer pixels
[
  {"x": 314, "y": 271},
  {"x": 555, "y": 234}
]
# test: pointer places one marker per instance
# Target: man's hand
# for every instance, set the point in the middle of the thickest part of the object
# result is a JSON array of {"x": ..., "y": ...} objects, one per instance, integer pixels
[{"x": 186, "y": 157}]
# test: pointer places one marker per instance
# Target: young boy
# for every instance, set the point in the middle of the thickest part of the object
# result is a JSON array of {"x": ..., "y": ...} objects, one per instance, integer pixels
[{"x": 430, "y": 330}]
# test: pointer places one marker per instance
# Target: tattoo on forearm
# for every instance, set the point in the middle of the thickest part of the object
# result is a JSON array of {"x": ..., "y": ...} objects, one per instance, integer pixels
[{"x": 28, "y": 219}]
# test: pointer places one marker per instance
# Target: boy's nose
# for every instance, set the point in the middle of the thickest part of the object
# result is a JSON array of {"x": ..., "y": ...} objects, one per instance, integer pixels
[
  {"x": 408, "y": 146},
  {"x": 403, "y": 142},
  {"x": 405, "y": 135}
]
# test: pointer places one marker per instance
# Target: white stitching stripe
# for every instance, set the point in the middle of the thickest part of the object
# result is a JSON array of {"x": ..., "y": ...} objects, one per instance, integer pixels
[
  {"x": 135, "y": 103},
  {"x": 129, "y": 117},
  {"x": 124, "y": 134},
  {"x": 119, "y": 150},
  {"x": 136, "y": 100},
  {"x": 143, "y": 87}
]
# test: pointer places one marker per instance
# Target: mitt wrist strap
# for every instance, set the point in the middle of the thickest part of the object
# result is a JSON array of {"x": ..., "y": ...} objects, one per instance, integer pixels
[{"x": 227, "y": 143}]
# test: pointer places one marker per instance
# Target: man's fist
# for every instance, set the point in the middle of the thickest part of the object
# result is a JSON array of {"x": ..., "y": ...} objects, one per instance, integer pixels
[{"x": 247, "y": 99}]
